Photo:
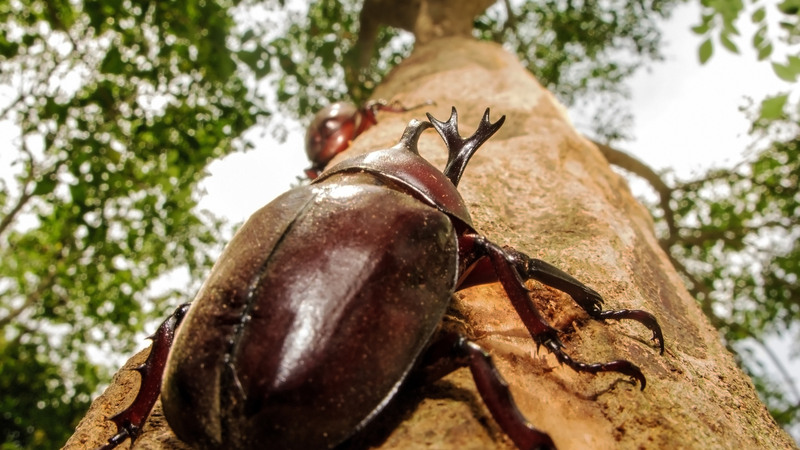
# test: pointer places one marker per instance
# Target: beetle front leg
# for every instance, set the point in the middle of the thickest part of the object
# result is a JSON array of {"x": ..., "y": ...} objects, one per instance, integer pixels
[
  {"x": 130, "y": 421},
  {"x": 586, "y": 297},
  {"x": 475, "y": 247},
  {"x": 482, "y": 272},
  {"x": 452, "y": 351}
]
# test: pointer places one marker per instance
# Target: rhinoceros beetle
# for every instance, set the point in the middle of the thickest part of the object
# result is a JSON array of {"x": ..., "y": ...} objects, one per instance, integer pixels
[
  {"x": 338, "y": 124},
  {"x": 330, "y": 297}
]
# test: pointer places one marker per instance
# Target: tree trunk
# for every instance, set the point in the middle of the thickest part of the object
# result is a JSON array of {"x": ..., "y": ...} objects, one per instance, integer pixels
[{"x": 542, "y": 188}]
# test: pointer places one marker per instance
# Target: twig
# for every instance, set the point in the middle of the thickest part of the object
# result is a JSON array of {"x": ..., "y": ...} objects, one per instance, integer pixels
[
  {"x": 511, "y": 20},
  {"x": 8, "y": 108},
  {"x": 26, "y": 192},
  {"x": 787, "y": 378},
  {"x": 633, "y": 165},
  {"x": 34, "y": 297}
]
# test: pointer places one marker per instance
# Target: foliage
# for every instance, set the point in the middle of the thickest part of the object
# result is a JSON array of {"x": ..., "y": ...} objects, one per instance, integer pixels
[
  {"x": 578, "y": 47},
  {"x": 118, "y": 107},
  {"x": 312, "y": 57},
  {"x": 575, "y": 48},
  {"x": 777, "y": 27},
  {"x": 733, "y": 234}
]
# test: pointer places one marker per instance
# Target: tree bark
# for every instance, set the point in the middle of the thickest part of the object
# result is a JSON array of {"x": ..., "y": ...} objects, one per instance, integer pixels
[{"x": 542, "y": 188}]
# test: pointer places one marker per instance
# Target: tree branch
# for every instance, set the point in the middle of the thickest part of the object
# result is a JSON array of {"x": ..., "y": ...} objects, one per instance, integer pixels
[
  {"x": 697, "y": 236},
  {"x": 630, "y": 163},
  {"x": 27, "y": 194},
  {"x": 511, "y": 20},
  {"x": 31, "y": 300},
  {"x": 698, "y": 287},
  {"x": 787, "y": 378},
  {"x": 23, "y": 199}
]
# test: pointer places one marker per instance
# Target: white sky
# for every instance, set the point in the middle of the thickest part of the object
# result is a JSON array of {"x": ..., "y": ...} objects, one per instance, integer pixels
[{"x": 687, "y": 115}]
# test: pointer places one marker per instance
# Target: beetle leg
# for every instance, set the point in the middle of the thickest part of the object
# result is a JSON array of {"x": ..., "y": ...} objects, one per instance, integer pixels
[
  {"x": 481, "y": 271},
  {"x": 396, "y": 106},
  {"x": 586, "y": 297},
  {"x": 130, "y": 421},
  {"x": 452, "y": 351},
  {"x": 473, "y": 247}
]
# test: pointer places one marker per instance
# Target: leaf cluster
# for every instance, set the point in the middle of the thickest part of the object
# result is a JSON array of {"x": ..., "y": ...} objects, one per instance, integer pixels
[
  {"x": 733, "y": 234},
  {"x": 575, "y": 48},
  {"x": 578, "y": 48},
  {"x": 719, "y": 19},
  {"x": 312, "y": 58},
  {"x": 118, "y": 106}
]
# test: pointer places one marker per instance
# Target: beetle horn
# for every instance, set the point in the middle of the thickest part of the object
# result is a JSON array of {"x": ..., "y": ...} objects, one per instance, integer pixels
[
  {"x": 460, "y": 150},
  {"x": 412, "y": 133}
]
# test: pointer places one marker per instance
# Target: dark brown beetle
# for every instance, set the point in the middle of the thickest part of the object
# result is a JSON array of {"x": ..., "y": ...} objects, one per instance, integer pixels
[
  {"x": 329, "y": 298},
  {"x": 337, "y": 125}
]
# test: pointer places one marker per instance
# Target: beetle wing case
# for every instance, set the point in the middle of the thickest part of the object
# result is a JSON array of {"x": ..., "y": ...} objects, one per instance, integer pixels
[{"x": 318, "y": 309}]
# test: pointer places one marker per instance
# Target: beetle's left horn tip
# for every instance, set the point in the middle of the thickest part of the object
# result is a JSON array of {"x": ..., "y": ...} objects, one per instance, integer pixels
[{"x": 412, "y": 133}]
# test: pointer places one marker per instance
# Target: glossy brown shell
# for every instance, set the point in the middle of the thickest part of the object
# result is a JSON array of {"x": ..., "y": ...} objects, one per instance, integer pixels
[
  {"x": 406, "y": 168},
  {"x": 312, "y": 317},
  {"x": 330, "y": 132}
]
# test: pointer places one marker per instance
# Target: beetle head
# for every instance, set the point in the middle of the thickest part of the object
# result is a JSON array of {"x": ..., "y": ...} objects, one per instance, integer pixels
[{"x": 330, "y": 133}]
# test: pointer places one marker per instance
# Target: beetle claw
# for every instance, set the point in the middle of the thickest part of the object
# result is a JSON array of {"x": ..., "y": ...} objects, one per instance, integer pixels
[{"x": 619, "y": 366}]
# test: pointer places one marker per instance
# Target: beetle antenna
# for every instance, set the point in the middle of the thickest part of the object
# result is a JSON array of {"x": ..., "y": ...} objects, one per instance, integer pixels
[
  {"x": 412, "y": 133},
  {"x": 460, "y": 150}
]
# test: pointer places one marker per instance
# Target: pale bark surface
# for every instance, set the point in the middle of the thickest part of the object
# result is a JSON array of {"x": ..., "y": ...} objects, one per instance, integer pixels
[{"x": 545, "y": 190}]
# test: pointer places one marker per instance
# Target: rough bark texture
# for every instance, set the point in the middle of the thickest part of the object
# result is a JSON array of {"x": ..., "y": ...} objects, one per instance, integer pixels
[{"x": 545, "y": 190}]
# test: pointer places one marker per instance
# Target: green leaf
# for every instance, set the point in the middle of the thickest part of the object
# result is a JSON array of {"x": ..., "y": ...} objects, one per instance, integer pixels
[
  {"x": 8, "y": 49},
  {"x": 790, "y": 7},
  {"x": 760, "y": 37},
  {"x": 706, "y": 49},
  {"x": 78, "y": 193},
  {"x": 257, "y": 61},
  {"x": 112, "y": 63},
  {"x": 772, "y": 107},
  {"x": 701, "y": 29},
  {"x": 729, "y": 28},
  {"x": 784, "y": 72},
  {"x": 794, "y": 64},
  {"x": 758, "y": 15},
  {"x": 248, "y": 35},
  {"x": 45, "y": 186},
  {"x": 765, "y": 52},
  {"x": 727, "y": 43}
]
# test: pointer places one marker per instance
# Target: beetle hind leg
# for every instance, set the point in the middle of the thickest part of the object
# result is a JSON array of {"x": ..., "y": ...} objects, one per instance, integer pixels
[
  {"x": 586, "y": 297},
  {"x": 452, "y": 351},
  {"x": 131, "y": 420}
]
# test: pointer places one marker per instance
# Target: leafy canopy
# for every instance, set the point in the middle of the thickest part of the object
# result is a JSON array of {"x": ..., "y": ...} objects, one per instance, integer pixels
[
  {"x": 732, "y": 233},
  {"x": 117, "y": 107}
]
